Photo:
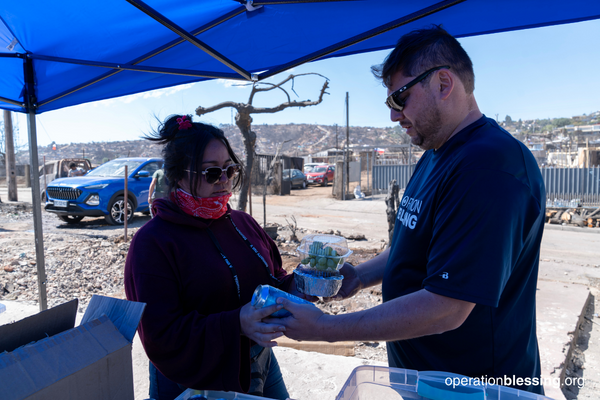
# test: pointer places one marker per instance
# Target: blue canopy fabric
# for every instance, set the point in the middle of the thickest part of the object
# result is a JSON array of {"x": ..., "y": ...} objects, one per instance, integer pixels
[{"x": 55, "y": 54}]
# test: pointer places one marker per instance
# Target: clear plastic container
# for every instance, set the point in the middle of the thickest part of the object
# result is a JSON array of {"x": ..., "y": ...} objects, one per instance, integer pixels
[
  {"x": 382, "y": 383},
  {"x": 325, "y": 253},
  {"x": 321, "y": 257},
  {"x": 216, "y": 395}
]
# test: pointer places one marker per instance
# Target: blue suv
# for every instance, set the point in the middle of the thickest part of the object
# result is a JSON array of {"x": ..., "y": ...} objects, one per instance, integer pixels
[{"x": 101, "y": 192}]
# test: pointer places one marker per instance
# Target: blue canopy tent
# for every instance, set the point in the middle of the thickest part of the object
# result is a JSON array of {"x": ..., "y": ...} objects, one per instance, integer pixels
[{"x": 59, "y": 54}]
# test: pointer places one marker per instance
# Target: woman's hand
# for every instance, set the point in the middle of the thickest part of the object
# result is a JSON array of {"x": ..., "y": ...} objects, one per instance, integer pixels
[
  {"x": 350, "y": 285},
  {"x": 254, "y": 328}
]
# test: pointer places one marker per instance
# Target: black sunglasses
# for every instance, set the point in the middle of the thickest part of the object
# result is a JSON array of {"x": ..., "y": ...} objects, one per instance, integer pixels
[
  {"x": 395, "y": 102},
  {"x": 213, "y": 174}
]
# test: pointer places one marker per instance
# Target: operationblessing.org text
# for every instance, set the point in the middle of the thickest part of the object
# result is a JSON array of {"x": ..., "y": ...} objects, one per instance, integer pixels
[{"x": 513, "y": 381}]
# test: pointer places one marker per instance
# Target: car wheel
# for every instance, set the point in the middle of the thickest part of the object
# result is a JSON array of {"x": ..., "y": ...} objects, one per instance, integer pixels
[
  {"x": 325, "y": 183},
  {"x": 116, "y": 211},
  {"x": 303, "y": 184},
  {"x": 70, "y": 219}
]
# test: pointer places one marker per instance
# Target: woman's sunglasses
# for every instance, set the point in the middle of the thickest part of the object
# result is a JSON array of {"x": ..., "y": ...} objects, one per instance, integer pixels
[
  {"x": 213, "y": 174},
  {"x": 395, "y": 102}
]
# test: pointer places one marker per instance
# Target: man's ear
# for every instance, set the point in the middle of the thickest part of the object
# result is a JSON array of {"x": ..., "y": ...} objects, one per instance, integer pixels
[{"x": 445, "y": 83}]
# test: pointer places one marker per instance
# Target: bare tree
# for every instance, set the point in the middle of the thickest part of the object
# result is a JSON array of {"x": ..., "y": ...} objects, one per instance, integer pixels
[
  {"x": 392, "y": 201},
  {"x": 244, "y": 121}
]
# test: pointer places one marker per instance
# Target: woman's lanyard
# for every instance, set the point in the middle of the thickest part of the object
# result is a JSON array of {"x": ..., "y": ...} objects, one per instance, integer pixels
[{"x": 229, "y": 265}]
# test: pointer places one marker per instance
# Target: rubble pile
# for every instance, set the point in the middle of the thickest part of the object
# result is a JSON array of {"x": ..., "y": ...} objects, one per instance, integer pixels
[
  {"x": 579, "y": 216},
  {"x": 74, "y": 269},
  {"x": 79, "y": 263}
]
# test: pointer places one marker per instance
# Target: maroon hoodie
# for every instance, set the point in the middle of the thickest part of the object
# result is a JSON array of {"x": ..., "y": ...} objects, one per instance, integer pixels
[{"x": 191, "y": 325}]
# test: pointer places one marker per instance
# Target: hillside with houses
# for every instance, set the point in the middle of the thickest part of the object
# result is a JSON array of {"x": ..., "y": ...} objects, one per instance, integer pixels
[
  {"x": 304, "y": 139},
  {"x": 560, "y": 142}
]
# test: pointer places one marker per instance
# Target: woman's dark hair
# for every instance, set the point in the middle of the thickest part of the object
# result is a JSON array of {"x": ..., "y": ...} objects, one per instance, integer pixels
[
  {"x": 183, "y": 149},
  {"x": 423, "y": 49}
]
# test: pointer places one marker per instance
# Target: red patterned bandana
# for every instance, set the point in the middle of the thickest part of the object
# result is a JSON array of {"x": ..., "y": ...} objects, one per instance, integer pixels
[{"x": 203, "y": 207}]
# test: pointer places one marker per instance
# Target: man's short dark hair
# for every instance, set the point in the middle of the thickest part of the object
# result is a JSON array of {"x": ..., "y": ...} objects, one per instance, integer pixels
[
  {"x": 72, "y": 165},
  {"x": 423, "y": 49}
]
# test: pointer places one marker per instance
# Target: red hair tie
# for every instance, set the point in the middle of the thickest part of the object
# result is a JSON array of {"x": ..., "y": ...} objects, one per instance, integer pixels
[{"x": 184, "y": 123}]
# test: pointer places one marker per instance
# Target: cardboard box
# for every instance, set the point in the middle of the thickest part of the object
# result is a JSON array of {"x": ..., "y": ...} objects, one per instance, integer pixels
[{"x": 46, "y": 357}]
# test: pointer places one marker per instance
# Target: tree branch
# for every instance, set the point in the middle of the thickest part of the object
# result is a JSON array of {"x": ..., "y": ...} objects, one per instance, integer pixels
[
  {"x": 202, "y": 110},
  {"x": 256, "y": 89},
  {"x": 283, "y": 106}
]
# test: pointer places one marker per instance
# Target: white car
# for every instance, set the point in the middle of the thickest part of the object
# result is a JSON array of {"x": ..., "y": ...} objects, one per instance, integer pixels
[{"x": 309, "y": 166}]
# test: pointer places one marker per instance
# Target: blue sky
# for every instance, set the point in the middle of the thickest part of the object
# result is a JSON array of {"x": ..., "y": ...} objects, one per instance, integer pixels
[{"x": 536, "y": 73}]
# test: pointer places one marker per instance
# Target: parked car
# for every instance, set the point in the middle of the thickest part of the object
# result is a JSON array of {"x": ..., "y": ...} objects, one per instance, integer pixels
[
  {"x": 309, "y": 166},
  {"x": 297, "y": 177},
  {"x": 101, "y": 191},
  {"x": 321, "y": 175},
  {"x": 55, "y": 169}
]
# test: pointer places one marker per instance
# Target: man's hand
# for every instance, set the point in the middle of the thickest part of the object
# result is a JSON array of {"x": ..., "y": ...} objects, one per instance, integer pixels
[
  {"x": 305, "y": 323},
  {"x": 294, "y": 290},
  {"x": 350, "y": 285},
  {"x": 252, "y": 325}
]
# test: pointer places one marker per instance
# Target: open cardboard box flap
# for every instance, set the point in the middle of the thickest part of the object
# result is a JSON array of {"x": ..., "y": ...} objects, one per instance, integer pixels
[{"x": 55, "y": 360}]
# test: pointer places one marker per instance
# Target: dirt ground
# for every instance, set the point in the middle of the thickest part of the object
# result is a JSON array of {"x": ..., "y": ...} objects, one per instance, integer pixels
[
  {"x": 88, "y": 257},
  {"x": 568, "y": 256}
]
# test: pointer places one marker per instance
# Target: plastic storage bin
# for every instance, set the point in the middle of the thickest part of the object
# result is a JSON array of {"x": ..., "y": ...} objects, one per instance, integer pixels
[
  {"x": 215, "y": 395},
  {"x": 383, "y": 383}
]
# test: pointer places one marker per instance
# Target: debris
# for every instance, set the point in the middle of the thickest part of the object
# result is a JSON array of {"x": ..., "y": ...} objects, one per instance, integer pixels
[
  {"x": 353, "y": 236},
  {"x": 578, "y": 216},
  {"x": 591, "y": 320}
]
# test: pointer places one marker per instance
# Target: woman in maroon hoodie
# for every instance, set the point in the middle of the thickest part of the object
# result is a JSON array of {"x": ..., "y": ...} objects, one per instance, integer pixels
[{"x": 196, "y": 265}]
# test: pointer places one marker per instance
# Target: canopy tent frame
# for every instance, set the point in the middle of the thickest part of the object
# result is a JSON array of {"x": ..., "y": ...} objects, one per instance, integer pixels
[
  {"x": 185, "y": 36},
  {"x": 31, "y": 100},
  {"x": 32, "y": 103}
]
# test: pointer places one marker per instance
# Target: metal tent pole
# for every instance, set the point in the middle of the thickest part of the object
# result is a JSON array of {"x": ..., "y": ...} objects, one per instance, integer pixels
[
  {"x": 31, "y": 104},
  {"x": 37, "y": 211}
]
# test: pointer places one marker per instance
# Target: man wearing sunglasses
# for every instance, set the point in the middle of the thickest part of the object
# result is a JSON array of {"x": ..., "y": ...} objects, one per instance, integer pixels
[{"x": 459, "y": 278}]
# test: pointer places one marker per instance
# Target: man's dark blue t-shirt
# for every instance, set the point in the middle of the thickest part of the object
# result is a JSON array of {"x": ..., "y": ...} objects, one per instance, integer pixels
[{"x": 469, "y": 227}]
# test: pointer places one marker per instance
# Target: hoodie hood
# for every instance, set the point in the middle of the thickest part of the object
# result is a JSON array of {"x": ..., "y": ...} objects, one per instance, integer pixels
[{"x": 169, "y": 211}]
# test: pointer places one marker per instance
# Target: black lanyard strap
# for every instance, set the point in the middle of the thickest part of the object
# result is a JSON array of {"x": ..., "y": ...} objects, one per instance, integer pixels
[
  {"x": 230, "y": 265},
  {"x": 255, "y": 250}
]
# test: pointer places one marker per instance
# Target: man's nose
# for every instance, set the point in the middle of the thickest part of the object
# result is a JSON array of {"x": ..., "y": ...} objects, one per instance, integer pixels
[{"x": 396, "y": 115}]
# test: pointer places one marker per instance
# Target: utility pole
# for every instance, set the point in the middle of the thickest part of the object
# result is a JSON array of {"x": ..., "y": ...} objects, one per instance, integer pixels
[
  {"x": 347, "y": 158},
  {"x": 11, "y": 176},
  {"x": 336, "y": 138}
]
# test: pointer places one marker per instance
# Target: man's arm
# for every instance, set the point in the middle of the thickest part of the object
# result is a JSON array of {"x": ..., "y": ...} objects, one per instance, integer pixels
[
  {"x": 418, "y": 314},
  {"x": 371, "y": 272},
  {"x": 367, "y": 274},
  {"x": 151, "y": 190}
]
